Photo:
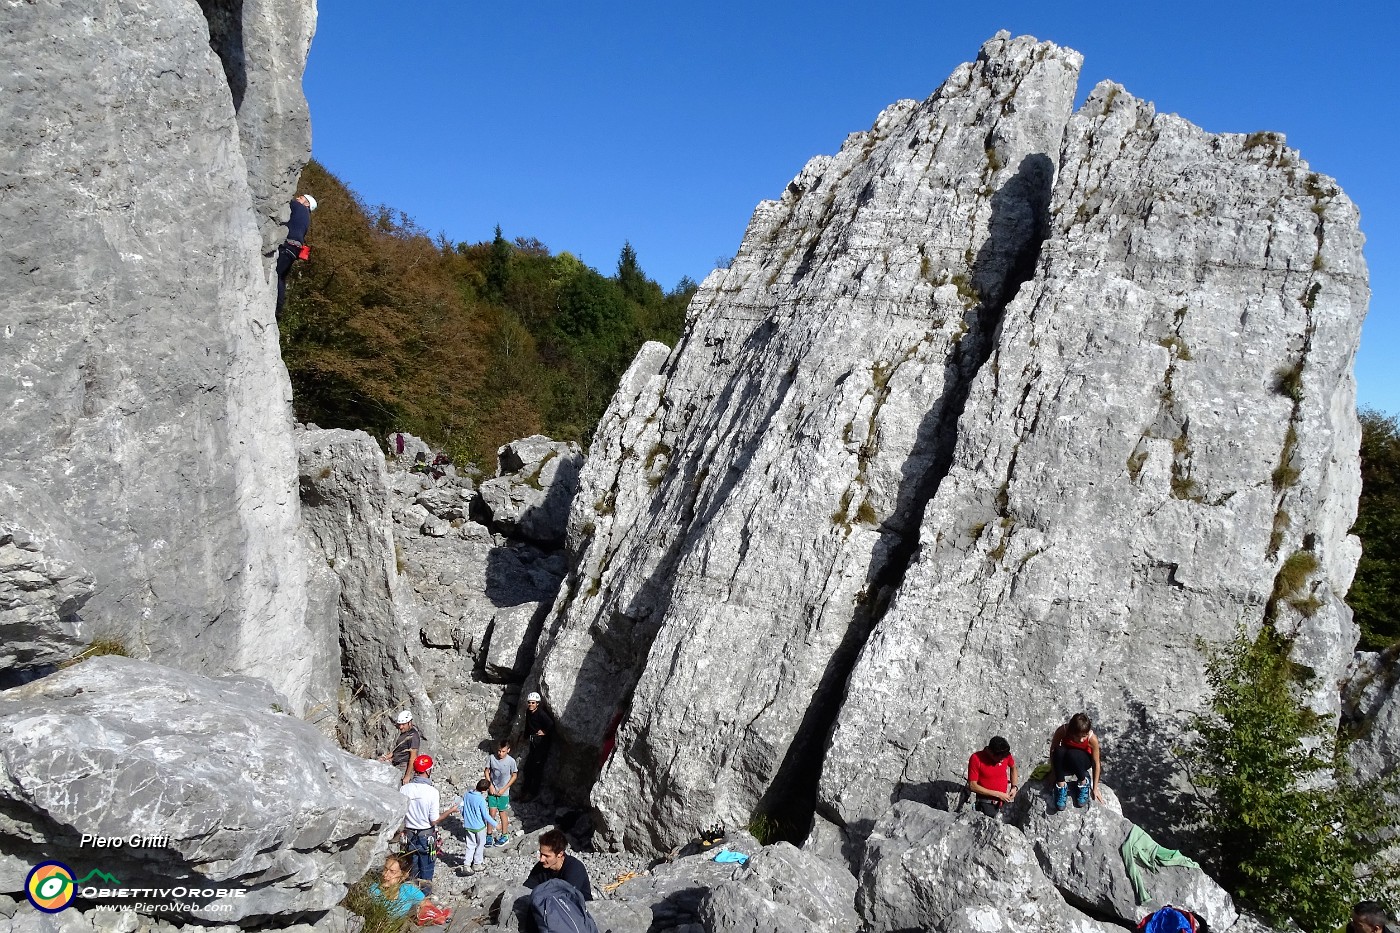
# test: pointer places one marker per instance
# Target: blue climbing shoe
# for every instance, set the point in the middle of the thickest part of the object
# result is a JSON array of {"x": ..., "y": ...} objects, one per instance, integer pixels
[
  {"x": 1061, "y": 796},
  {"x": 1082, "y": 798}
]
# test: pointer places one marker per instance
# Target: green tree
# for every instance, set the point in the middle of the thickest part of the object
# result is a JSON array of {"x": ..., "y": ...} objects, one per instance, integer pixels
[
  {"x": 1294, "y": 834},
  {"x": 498, "y": 269},
  {"x": 629, "y": 275},
  {"x": 1375, "y": 593}
]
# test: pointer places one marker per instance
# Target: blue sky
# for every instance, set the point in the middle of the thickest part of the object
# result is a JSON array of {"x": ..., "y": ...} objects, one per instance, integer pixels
[{"x": 587, "y": 125}]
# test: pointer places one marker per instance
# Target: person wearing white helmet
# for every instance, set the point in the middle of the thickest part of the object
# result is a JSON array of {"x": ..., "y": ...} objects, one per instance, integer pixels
[
  {"x": 294, "y": 247},
  {"x": 405, "y": 746},
  {"x": 539, "y": 733}
]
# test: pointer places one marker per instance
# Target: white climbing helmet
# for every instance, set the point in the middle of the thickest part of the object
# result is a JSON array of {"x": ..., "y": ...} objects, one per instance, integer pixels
[
  {"x": 310, "y": 202},
  {"x": 532, "y": 698},
  {"x": 404, "y": 718}
]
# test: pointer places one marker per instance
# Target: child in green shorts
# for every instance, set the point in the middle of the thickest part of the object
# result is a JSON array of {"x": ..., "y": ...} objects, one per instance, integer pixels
[{"x": 501, "y": 771}]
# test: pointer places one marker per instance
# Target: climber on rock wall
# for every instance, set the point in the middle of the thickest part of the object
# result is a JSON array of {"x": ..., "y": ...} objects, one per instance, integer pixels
[{"x": 294, "y": 247}]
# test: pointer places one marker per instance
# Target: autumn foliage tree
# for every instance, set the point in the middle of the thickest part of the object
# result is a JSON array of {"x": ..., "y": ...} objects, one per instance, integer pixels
[{"x": 467, "y": 345}]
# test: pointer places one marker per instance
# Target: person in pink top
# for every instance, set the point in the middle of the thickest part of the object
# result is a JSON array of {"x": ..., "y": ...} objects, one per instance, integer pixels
[{"x": 1074, "y": 750}]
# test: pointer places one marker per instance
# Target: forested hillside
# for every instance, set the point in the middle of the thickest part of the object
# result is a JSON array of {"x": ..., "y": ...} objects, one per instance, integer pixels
[{"x": 468, "y": 345}]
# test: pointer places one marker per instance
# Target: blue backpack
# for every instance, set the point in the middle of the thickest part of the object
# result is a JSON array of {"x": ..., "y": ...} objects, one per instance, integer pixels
[
  {"x": 1168, "y": 920},
  {"x": 559, "y": 908}
]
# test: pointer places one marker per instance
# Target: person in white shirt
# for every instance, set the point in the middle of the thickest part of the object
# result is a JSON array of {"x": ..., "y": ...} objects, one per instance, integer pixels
[{"x": 424, "y": 814}]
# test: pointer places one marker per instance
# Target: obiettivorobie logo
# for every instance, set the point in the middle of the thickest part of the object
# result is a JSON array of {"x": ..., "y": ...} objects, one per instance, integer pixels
[{"x": 51, "y": 887}]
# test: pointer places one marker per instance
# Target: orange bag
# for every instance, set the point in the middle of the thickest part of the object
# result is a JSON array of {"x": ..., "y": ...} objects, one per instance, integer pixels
[{"x": 431, "y": 915}]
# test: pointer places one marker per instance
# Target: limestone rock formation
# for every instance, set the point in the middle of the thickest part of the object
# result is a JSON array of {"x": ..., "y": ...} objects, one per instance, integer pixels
[
  {"x": 147, "y": 409},
  {"x": 262, "y": 45},
  {"x": 782, "y": 890},
  {"x": 799, "y": 419},
  {"x": 926, "y": 869},
  {"x": 1162, "y": 447},
  {"x": 248, "y": 795},
  {"x": 480, "y": 596},
  {"x": 40, "y": 596},
  {"x": 995, "y": 413},
  {"x": 1080, "y": 852},
  {"x": 533, "y": 489},
  {"x": 346, "y": 511}
]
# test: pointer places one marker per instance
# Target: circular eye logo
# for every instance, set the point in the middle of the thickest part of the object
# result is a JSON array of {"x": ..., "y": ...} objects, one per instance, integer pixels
[{"x": 50, "y": 886}]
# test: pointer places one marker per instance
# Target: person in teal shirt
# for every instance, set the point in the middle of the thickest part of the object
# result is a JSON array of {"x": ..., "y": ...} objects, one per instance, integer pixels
[{"x": 394, "y": 888}]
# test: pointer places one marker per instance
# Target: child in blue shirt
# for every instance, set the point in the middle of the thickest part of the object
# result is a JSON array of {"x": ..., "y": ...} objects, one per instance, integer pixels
[{"x": 475, "y": 818}]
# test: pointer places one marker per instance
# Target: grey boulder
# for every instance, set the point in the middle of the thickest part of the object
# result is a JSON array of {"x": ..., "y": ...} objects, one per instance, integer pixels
[
  {"x": 927, "y": 869},
  {"x": 40, "y": 596},
  {"x": 533, "y": 488},
  {"x": 247, "y": 795},
  {"x": 1079, "y": 851},
  {"x": 346, "y": 512},
  {"x": 782, "y": 889}
]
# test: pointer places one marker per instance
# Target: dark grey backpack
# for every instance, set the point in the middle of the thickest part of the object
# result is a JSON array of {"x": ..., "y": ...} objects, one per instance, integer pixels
[{"x": 558, "y": 907}]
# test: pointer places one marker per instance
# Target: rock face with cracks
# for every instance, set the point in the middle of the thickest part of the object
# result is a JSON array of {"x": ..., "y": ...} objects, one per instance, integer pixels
[
  {"x": 1162, "y": 447},
  {"x": 798, "y": 421},
  {"x": 147, "y": 412},
  {"x": 247, "y": 795},
  {"x": 346, "y": 513},
  {"x": 995, "y": 413}
]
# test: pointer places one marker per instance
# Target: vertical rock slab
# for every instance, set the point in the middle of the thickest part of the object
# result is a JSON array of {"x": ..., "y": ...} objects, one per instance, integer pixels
[
  {"x": 262, "y": 45},
  {"x": 1161, "y": 447},
  {"x": 346, "y": 512},
  {"x": 144, "y": 393},
  {"x": 786, "y": 454}
]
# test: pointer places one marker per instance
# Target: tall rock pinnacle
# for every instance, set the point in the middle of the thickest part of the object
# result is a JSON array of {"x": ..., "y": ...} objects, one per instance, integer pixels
[
  {"x": 147, "y": 429},
  {"x": 771, "y": 476}
]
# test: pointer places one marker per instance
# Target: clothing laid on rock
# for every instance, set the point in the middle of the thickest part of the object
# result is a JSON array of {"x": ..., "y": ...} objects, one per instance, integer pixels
[
  {"x": 1140, "y": 851},
  {"x": 293, "y": 248},
  {"x": 571, "y": 871},
  {"x": 405, "y": 899}
]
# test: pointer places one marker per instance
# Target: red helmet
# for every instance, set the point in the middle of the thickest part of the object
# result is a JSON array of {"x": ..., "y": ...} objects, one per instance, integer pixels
[{"x": 423, "y": 764}]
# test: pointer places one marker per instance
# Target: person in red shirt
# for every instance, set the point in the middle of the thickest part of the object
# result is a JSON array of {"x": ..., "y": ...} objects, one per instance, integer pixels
[{"x": 992, "y": 776}]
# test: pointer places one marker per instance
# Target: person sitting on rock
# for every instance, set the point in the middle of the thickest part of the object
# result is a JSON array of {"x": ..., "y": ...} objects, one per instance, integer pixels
[
  {"x": 405, "y": 748},
  {"x": 500, "y": 772},
  {"x": 401, "y": 895},
  {"x": 555, "y": 862},
  {"x": 1074, "y": 750},
  {"x": 992, "y": 776},
  {"x": 421, "y": 821},
  {"x": 539, "y": 732},
  {"x": 476, "y": 819}
]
